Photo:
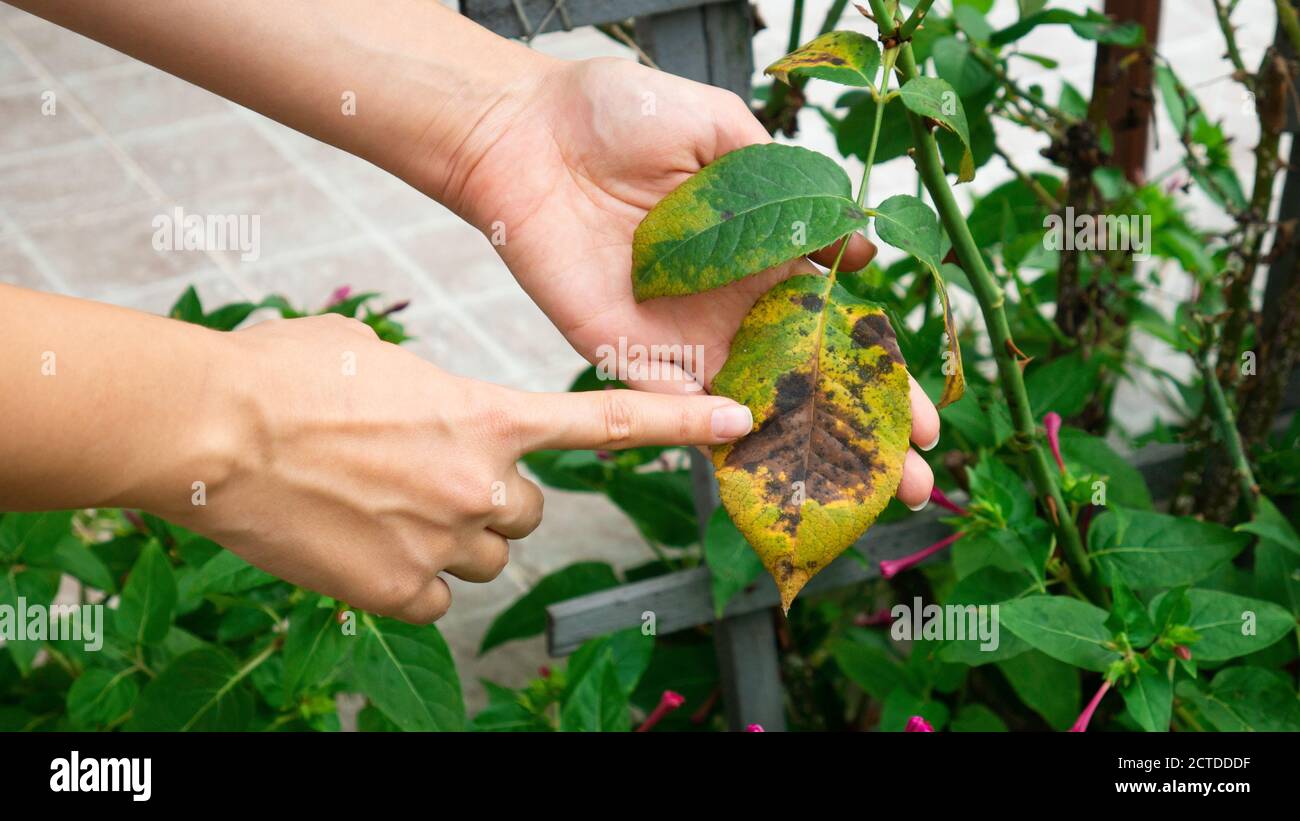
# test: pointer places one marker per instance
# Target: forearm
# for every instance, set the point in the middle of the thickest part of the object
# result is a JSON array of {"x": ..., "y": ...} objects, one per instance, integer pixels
[
  {"x": 104, "y": 406},
  {"x": 423, "y": 76}
]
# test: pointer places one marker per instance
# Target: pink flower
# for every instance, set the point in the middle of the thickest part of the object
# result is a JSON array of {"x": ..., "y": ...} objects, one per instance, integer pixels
[
  {"x": 668, "y": 702},
  {"x": 340, "y": 294},
  {"x": 1081, "y": 723},
  {"x": 943, "y": 501},
  {"x": 1052, "y": 422},
  {"x": 892, "y": 567},
  {"x": 917, "y": 724},
  {"x": 755, "y": 728}
]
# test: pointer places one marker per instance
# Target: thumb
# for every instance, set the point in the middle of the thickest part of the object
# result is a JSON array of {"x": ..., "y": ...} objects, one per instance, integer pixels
[{"x": 615, "y": 419}]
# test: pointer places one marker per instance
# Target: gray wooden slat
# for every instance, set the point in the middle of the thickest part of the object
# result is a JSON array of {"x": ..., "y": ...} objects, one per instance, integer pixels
[
  {"x": 500, "y": 15},
  {"x": 709, "y": 43},
  {"x": 749, "y": 670}
]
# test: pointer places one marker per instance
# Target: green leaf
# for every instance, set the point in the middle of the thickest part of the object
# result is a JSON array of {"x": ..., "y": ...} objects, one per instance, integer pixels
[
  {"x": 1087, "y": 454},
  {"x": 37, "y": 589},
  {"x": 1066, "y": 629},
  {"x": 226, "y": 572},
  {"x": 81, "y": 562},
  {"x": 936, "y": 100},
  {"x": 407, "y": 672},
  {"x": 902, "y": 704},
  {"x": 1047, "y": 686},
  {"x": 28, "y": 535},
  {"x": 733, "y": 566},
  {"x": 313, "y": 646},
  {"x": 1246, "y": 699},
  {"x": 1129, "y": 616},
  {"x": 987, "y": 586},
  {"x": 955, "y": 63},
  {"x": 659, "y": 503},
  {"x": 1270, "y": 524},
  {"x": 101, "y": 696},
  {"x": 908, "y": 224},
  {"x": 1149, "y": 697},
  {"x": 1277, "y": 575},
  {"x": 1089, "y": 26},
  {"x": 527, "y": 616},
  {"x": 976, "y": 718},
  {"x": 871, "y": 667},
  {"x": 844, "y": 57},
  {"x": 187, "y": 308},
  {"x": 629, "y": 651},
  {"x": 148, "y": 598},
  {"x": 751, "y": 209},
  {"x": 1148, "y": 550},
  {"x": 597, "y": 702},
  {"x": 1230, "y": 625},
  {"x": 204, "y": 690},
  {"x": 822, "y": 374},
  {"x": 1064, "y": 384},
  {"x": 853, "y": 132}
]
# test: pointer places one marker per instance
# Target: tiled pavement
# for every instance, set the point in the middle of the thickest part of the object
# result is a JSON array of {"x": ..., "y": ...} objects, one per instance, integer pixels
[{"x": 78, "y": 192}]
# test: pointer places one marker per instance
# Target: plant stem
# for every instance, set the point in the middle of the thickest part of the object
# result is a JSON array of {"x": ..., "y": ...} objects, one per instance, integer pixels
[
  {"x": 1227, "y": 425},
  {"x": 887, "y": 67},
  {"x": 992, "y": 302},
  {"x": 1288, "y": 22},
  {"x": 796, "y": 26},
  {"x": 918, "y": 14}
]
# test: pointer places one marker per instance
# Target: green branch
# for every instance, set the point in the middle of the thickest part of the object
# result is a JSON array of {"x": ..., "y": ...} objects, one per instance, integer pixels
[
  {"x": 1226, "y": 422},
  {"x": 992, "y": 302}
]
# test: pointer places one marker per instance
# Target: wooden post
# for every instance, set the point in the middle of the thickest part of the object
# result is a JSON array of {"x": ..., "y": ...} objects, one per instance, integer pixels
[{"x": 711, "y": 43}]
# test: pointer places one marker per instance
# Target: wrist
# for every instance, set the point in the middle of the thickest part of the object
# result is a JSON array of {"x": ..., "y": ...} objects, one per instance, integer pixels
[
  {"x": 201, "y": 430},
  {"x": 454, "y": 138}
]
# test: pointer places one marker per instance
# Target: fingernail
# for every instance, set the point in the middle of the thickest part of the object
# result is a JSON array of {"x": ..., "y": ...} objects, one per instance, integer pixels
[
  {"x": 934, "y": 442},
  {"x": 732, "y": 422},
  {"x": 922, "y": 505}
]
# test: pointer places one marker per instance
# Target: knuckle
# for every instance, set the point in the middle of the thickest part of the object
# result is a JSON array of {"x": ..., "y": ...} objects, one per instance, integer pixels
[{"x": 617, "y": 416}]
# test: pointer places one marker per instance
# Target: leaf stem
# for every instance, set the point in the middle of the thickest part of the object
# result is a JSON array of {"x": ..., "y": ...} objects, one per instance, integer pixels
[
  {"x": 992, "y": 302},
  {"x": 918, "y": 15}
]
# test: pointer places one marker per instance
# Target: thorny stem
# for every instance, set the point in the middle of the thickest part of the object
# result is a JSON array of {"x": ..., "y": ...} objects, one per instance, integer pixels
[
  {"x": 992, "y": 301},
  {"x": 1227, "y": 425},
  {"x": 918, "y": 14},
  {"x": 1222, "y": 11}
]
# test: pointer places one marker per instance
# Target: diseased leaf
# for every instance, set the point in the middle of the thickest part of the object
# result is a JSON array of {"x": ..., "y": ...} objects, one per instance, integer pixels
[
  {"x": 751, "y": 209},
  {"x": 845, "y": 57},
  {"x": 821, "y": 372},
  {"x": 936, "y": 100},
  {"x": 1066, "y": 629},
  {"x": 908, "y": 224}
]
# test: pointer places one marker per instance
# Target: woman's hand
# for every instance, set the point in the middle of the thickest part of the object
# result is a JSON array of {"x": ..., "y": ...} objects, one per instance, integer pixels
[
  {"x": 565, "y": 169},
  {"x": 357, "y": 469}
]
